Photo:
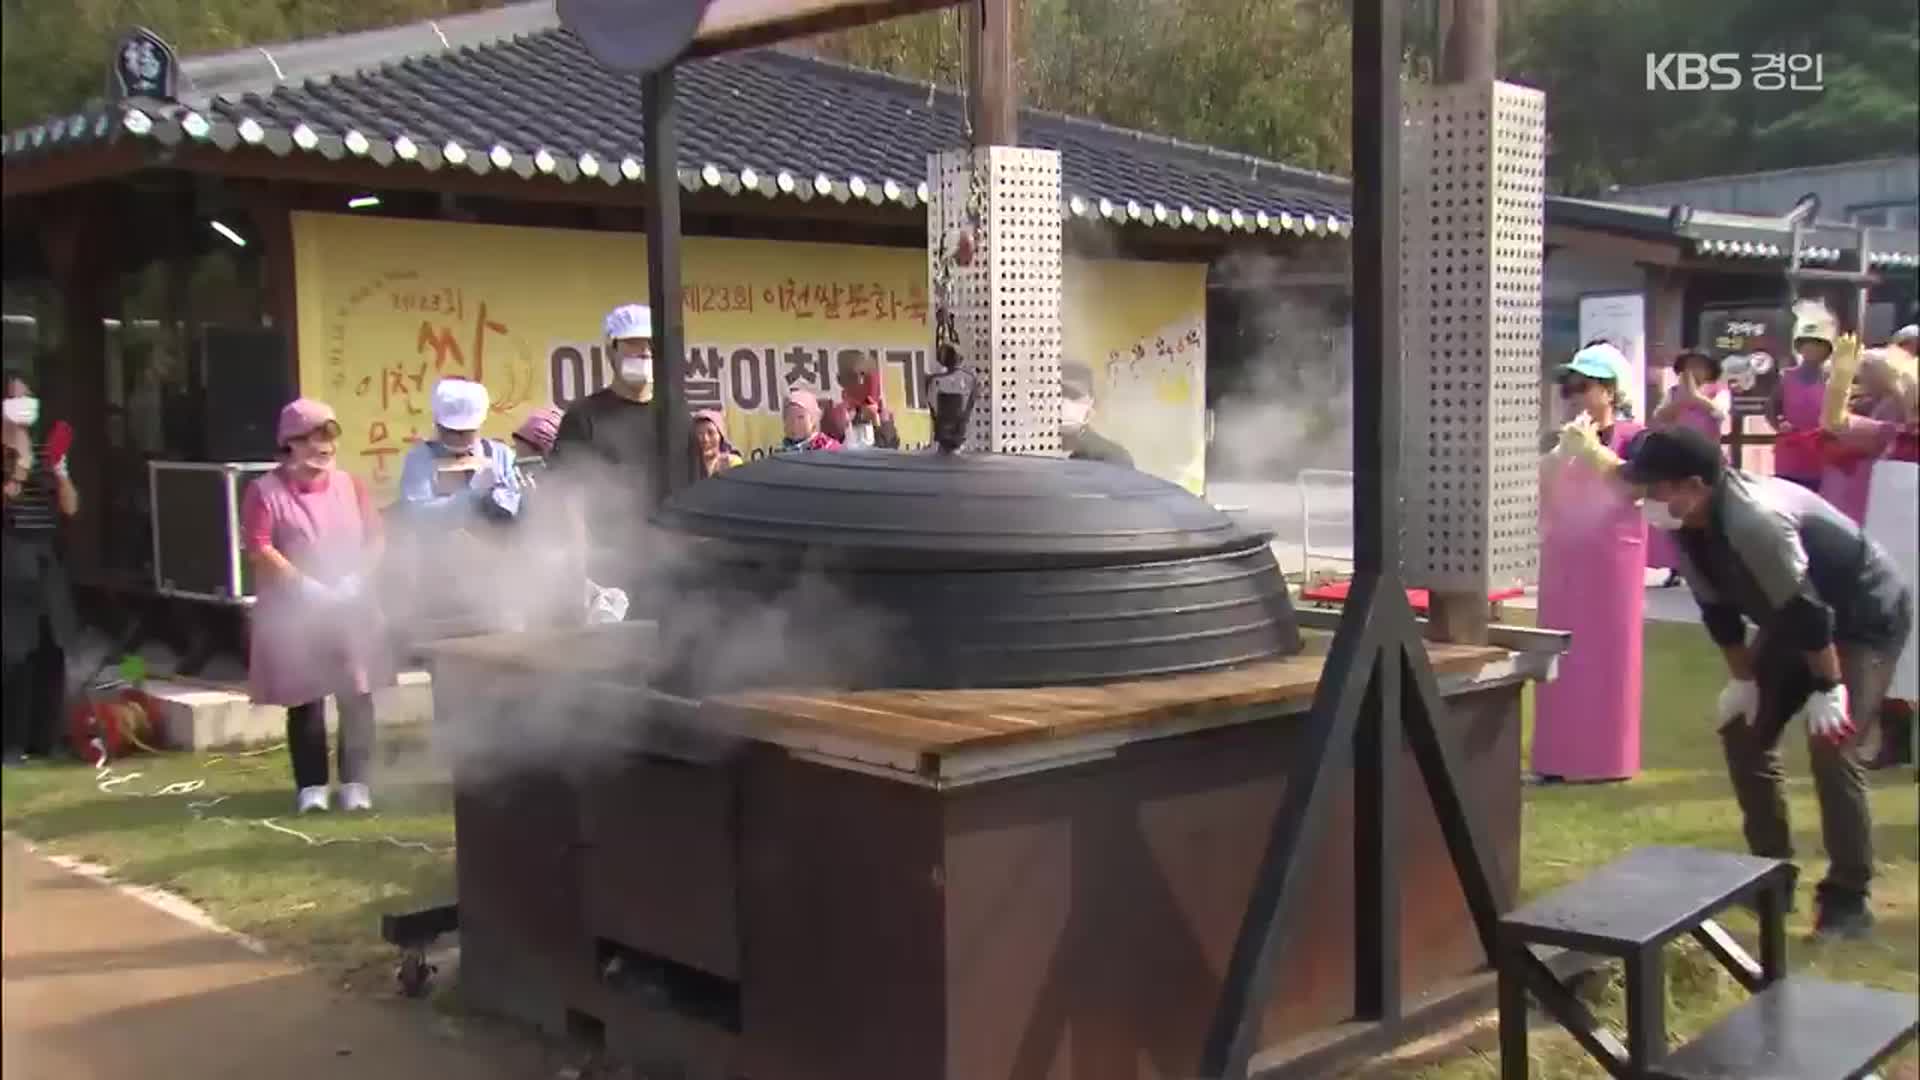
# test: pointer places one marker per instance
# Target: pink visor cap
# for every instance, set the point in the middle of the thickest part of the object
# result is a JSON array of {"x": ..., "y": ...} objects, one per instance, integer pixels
[{"x": 300, "y": 417}]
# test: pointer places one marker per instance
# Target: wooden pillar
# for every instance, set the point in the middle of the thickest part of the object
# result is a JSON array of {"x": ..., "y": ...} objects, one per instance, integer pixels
[
  {"x": 1665, "y": 329},
  {"x": 76, "y": 235},
  {"x": 271, "y": 213},
  {"x": 993, "y": 95},
  {"x": 1468, "y": 35},
  {"x": 1470, "y": 31}
]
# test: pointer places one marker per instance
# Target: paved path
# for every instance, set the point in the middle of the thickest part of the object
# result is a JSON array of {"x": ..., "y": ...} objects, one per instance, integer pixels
[{"x": 97, "y": 984}]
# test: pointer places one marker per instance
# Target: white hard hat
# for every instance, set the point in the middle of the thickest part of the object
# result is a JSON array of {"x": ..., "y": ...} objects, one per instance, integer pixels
[
  {"x": 460, "y": 404},
  {"x": 1812, "y": 321},
  {"x": 629, "y": 321}
]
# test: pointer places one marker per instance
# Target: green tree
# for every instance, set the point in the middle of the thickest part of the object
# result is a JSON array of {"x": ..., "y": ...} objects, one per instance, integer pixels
[
  {"x": 54, "y": 54},
  {"x": 1605, "y": 126},
  {"x": 1266, "y": 77}
]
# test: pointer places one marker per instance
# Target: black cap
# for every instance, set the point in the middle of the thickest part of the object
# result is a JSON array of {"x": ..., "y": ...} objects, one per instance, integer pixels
[
  {"x": 1712, "y": 362},
  {"x": 1672, "y": 454}
]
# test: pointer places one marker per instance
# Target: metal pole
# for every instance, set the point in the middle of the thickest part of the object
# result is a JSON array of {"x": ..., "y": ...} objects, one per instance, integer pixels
[
  {"x": 1353, "y": 707},
  {"x": 1377, "y": 372},
  {"x": 1377, "y": 387},
  {"x": 662, "y": 150}
]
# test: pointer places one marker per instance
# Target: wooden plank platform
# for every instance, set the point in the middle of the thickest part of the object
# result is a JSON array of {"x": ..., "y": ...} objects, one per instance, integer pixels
[
  {"x": 936, "y": 735},
  {"x": 944, "y": 722}
]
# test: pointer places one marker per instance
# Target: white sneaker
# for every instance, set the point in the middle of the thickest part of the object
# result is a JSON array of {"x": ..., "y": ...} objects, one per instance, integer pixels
[
  {"x": 355, "y": 797},
  {"x": 312, "y": 800}
]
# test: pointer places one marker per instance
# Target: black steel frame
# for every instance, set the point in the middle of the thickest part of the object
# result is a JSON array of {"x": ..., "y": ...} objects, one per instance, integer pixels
[
  {"x": 661, "y": 148},
  {"x": 1377, "y": 687}
]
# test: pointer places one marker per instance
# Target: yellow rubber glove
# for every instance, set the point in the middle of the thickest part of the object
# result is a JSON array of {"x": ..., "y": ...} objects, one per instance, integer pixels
[
  {"x": 1580, "y": 440},
  {"x": 1841, "y": 371}
]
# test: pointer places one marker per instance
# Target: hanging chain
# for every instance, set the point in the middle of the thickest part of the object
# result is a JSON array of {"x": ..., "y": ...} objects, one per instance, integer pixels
[{"x": 970, "y": 244}]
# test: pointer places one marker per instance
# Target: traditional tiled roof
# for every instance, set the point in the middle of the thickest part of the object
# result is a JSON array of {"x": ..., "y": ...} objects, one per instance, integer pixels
[
  {"x": 509, "y": 90},
  {"x": 1736, "y": 236},
  {"x": 767, "y": 121}
]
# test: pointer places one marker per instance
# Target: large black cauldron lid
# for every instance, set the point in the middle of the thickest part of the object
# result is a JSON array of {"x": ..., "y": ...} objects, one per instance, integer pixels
[{"x": 883, "y": 508}]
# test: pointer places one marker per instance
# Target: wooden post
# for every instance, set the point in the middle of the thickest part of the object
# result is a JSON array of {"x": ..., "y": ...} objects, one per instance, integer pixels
[
  {"x": 993, "y": 96},
  {"x": 1468, "y": 35},
  {"x": 75, "y": 237},
  {"x": 1665, "y": 328}
]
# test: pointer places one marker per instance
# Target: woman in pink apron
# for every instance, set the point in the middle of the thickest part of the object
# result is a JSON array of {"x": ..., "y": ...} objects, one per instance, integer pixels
[
  {"x": 1699, "y": 401},
  {"x": 313, "y": 537},
  {"x": 1889, "y": 440},
  {"x": 1794, "y": 408},
  {"x": 1592, "y": 573}
]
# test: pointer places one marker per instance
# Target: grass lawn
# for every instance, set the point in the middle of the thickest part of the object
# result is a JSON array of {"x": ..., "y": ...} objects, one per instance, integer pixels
[
  {"x": 1682, "y": 797},
  {"x": 320, "y": 901}
]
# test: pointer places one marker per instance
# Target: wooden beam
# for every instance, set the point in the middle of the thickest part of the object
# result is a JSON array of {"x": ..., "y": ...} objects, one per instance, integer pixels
[
  {"x": 744, "y": 24},
  {"x": 1614, "y": 245},
  {"x": 1468, "y": 35},
  {"x": 993, "y": 97},
  {"x": 1470, "y": 29},
  {"x": 62, "y": 170}
]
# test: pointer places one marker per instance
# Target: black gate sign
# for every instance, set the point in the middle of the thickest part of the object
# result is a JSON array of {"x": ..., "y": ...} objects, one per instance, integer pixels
[{"x": 144, "y": 66}]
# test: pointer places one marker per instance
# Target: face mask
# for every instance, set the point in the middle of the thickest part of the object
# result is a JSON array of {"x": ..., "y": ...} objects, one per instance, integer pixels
[
  {"x": 1074, "y": 413},
  {"x": 1660, "y": 517},
  {"x": 24, "y": 411},
  {"x": 636, "y": 369}
]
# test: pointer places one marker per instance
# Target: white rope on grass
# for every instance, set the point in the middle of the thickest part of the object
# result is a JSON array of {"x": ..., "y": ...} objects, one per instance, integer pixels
[{"x": 109, "y": 780}]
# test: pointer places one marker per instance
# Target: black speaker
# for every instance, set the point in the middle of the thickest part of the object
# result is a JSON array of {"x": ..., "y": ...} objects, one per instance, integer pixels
[{"x": 247, "y": 380}]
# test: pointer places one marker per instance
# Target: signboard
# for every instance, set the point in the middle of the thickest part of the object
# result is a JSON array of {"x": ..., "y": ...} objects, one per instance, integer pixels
[
  {"x": 386, "y": 307},
  {"x": 1751, "y": 345},
  {"x": 1620, "y": 318},
  {"x": 144, "y": 66}
]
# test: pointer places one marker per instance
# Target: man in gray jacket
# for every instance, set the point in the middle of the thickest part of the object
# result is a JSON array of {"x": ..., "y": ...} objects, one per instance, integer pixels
[{"x": 1830, "y": 613}]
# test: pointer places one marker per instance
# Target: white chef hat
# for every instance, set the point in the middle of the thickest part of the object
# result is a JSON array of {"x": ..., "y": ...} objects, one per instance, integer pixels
[
  {"x": 460, "y": 404},
  {"x": 630, "y": 321}
]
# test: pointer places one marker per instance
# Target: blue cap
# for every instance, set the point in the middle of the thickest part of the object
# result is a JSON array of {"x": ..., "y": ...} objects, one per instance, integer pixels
[{"x": 1597, "y": 361}]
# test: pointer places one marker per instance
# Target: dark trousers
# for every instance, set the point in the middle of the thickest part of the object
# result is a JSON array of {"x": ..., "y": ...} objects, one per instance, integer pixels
[
  {"x": 1839, "y": 776},
  {"x": 35, "y": 689},
  {"x": 307, "y": 740}
]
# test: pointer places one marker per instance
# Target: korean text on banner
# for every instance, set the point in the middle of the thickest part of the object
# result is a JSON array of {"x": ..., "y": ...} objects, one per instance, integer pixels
[{"x": 388, "y": 306}]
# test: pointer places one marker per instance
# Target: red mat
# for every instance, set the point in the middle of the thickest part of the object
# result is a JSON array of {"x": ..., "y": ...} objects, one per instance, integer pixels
[{"x": 1335, "y": 592}]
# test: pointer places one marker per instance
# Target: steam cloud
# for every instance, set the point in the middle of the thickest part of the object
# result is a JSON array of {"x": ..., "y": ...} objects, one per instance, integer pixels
[{"x": 568, "y": 697}]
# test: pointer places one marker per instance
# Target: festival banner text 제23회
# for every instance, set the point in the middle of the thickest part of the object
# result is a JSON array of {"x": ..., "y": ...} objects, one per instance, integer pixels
[{"x": 387, "y": 307}]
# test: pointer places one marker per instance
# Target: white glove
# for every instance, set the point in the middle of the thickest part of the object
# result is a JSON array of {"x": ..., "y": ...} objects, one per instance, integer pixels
[
  {"x": 607, "y": 606},
  {"x": 1826, "y": 715},
  {"x": 483, "y": 479},
  {"x": 60, "y": 469},
  {"x": 314, "y": 592},
  {"x": 1739, "y": 700},
  {"x": 347, "y": 588}
]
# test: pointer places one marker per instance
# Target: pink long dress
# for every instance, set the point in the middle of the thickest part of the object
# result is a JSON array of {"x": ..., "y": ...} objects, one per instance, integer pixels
[
  {"x": 1846, "y": 475},
  {"x": 1796, "y": 456},
  {"x": 1662, "y": 553},
  {"x": 1586, "y": 723},
  {"x": 301, "y": 651}
]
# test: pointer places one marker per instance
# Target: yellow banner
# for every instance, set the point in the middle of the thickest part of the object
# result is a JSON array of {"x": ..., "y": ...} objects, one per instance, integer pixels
[{"x": 387, "y": 306}]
